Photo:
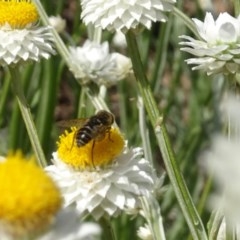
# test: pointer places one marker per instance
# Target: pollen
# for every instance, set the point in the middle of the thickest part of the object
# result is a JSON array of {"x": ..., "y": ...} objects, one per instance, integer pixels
[
  {"x": 17, "y": 13},
  {"x": 96, "y": 153},
  {"x": 29, "y": 197}
]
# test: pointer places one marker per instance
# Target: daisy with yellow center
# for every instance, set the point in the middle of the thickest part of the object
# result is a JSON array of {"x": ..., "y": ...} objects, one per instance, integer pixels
[
  {"x": 21, "y": 39},
  {"x": 29, "y": 198},
  {"x": 119, "y": 175}
]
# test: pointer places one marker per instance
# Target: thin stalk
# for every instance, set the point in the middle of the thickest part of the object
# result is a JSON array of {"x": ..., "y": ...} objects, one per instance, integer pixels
[
  {"x": 46, "y": 106},
  {"x": 96, "y": 100},
  {"x": 58, "y": 41},
  {"x": 4, "y": 93},
  {"x": 185, "y": 201},
  {"x": 107, "y": 229},
  {"x": 97, "y": 35},
  {"x": 81, "y": 103},
  {"x": 161, "y": 53},
  {"x": 236, "y": 7},
  {"x": 205, "y": 194},
  {"x": 153, "y": 216},
  {"x": 15, "y": 128},
  {"x": 27, "y": 117},
  {"x": 214, "y": 224},
  {"x": 187, "y": 21},
  {"x": 144, "y": 131}
]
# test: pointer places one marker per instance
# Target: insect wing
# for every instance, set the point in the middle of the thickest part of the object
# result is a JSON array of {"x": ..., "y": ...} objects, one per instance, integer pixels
[{"x": 78, "y": 123}]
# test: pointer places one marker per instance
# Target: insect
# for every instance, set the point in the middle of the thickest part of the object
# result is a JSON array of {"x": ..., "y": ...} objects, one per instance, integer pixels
[{"x": 94, "y": 128}]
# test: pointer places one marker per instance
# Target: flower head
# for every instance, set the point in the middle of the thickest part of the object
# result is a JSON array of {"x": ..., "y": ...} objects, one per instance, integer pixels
[
  {"x": 144, "y": 233},
  {"x": 93, "y": 62},
  {"x": 58, "y": 23},
  {"x": 116, "y": 181},
  {"x": 218, "y": 50},
  {"x": 124, "y": 15},
  {"x": 29, "y": 198},
  {"x": 21, "y": 39}
]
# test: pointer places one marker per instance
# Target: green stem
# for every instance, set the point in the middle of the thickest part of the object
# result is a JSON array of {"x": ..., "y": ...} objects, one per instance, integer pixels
[
  {"x": 214, "y": 224},
  {"x": 144, "y": 131},
  {"x": 96, "y": 100},
  {"x": 107, "y": 229},
  {"x": 27, "y": 117},
  {"x": 161, "y": 53},
  {"x": 236, "y": 7},
  {"x": 4, "y": 94},
  {"x": 185, "y": 201},
  {"x": 46, "y": 106},
  {"x": 187, "y": 21},
  {"x": 58, "y": 41},
  {"x": 153, "y": 216}
]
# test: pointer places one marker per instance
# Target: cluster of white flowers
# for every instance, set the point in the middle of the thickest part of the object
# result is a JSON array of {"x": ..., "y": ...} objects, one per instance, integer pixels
[
  {"x": 93, "y": 62},
  {"x": 218, "y": 50}
]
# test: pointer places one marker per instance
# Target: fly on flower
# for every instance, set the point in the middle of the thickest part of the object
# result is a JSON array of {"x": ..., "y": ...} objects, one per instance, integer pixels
[{"x": 94, "y": 128}]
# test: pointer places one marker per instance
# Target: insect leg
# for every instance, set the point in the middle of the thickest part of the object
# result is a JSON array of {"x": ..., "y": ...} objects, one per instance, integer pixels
[
  {"x": 109, "y": 135},
  {"x": 93, "y": 144},
  {"x": 74, "y": 137}
]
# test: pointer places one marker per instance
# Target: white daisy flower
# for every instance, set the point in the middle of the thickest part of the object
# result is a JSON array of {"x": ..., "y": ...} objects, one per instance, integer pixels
[
  {"x": 73, "y": 230},
  {"x": 93, "y": 62},
  {"x": 218, "y": 50},
  {"x": 223, "y": 161},
  {"x": 124, "y": 15},
  {"x": 21, "y": 38},
  {"x": 101, "y": 180},
  {"x": 58, "y": 23}
]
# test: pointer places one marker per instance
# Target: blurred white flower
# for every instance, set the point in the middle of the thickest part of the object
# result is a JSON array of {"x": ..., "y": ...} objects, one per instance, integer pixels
[
  {"x": 21, "y": 38},
  {"x": 144, "y": 233},
  {"x": 223, "y": 161},
  {"x": 219, "y": 49},
  {"x": 93, "y": 62},
  {"x": 105, "y": 191},
  {"x": 58, "y": 23},
  {"x": 124, "y": 15},
  {"x": 206, "y": 5},
  {"x": 73, "y": 230}
]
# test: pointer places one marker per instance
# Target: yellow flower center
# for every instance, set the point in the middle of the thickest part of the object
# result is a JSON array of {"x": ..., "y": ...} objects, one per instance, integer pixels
[
  {"x": 95, "y": 153},
  {"x": 29, "y": 198},
  {"x": 17, "y": 13}
]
